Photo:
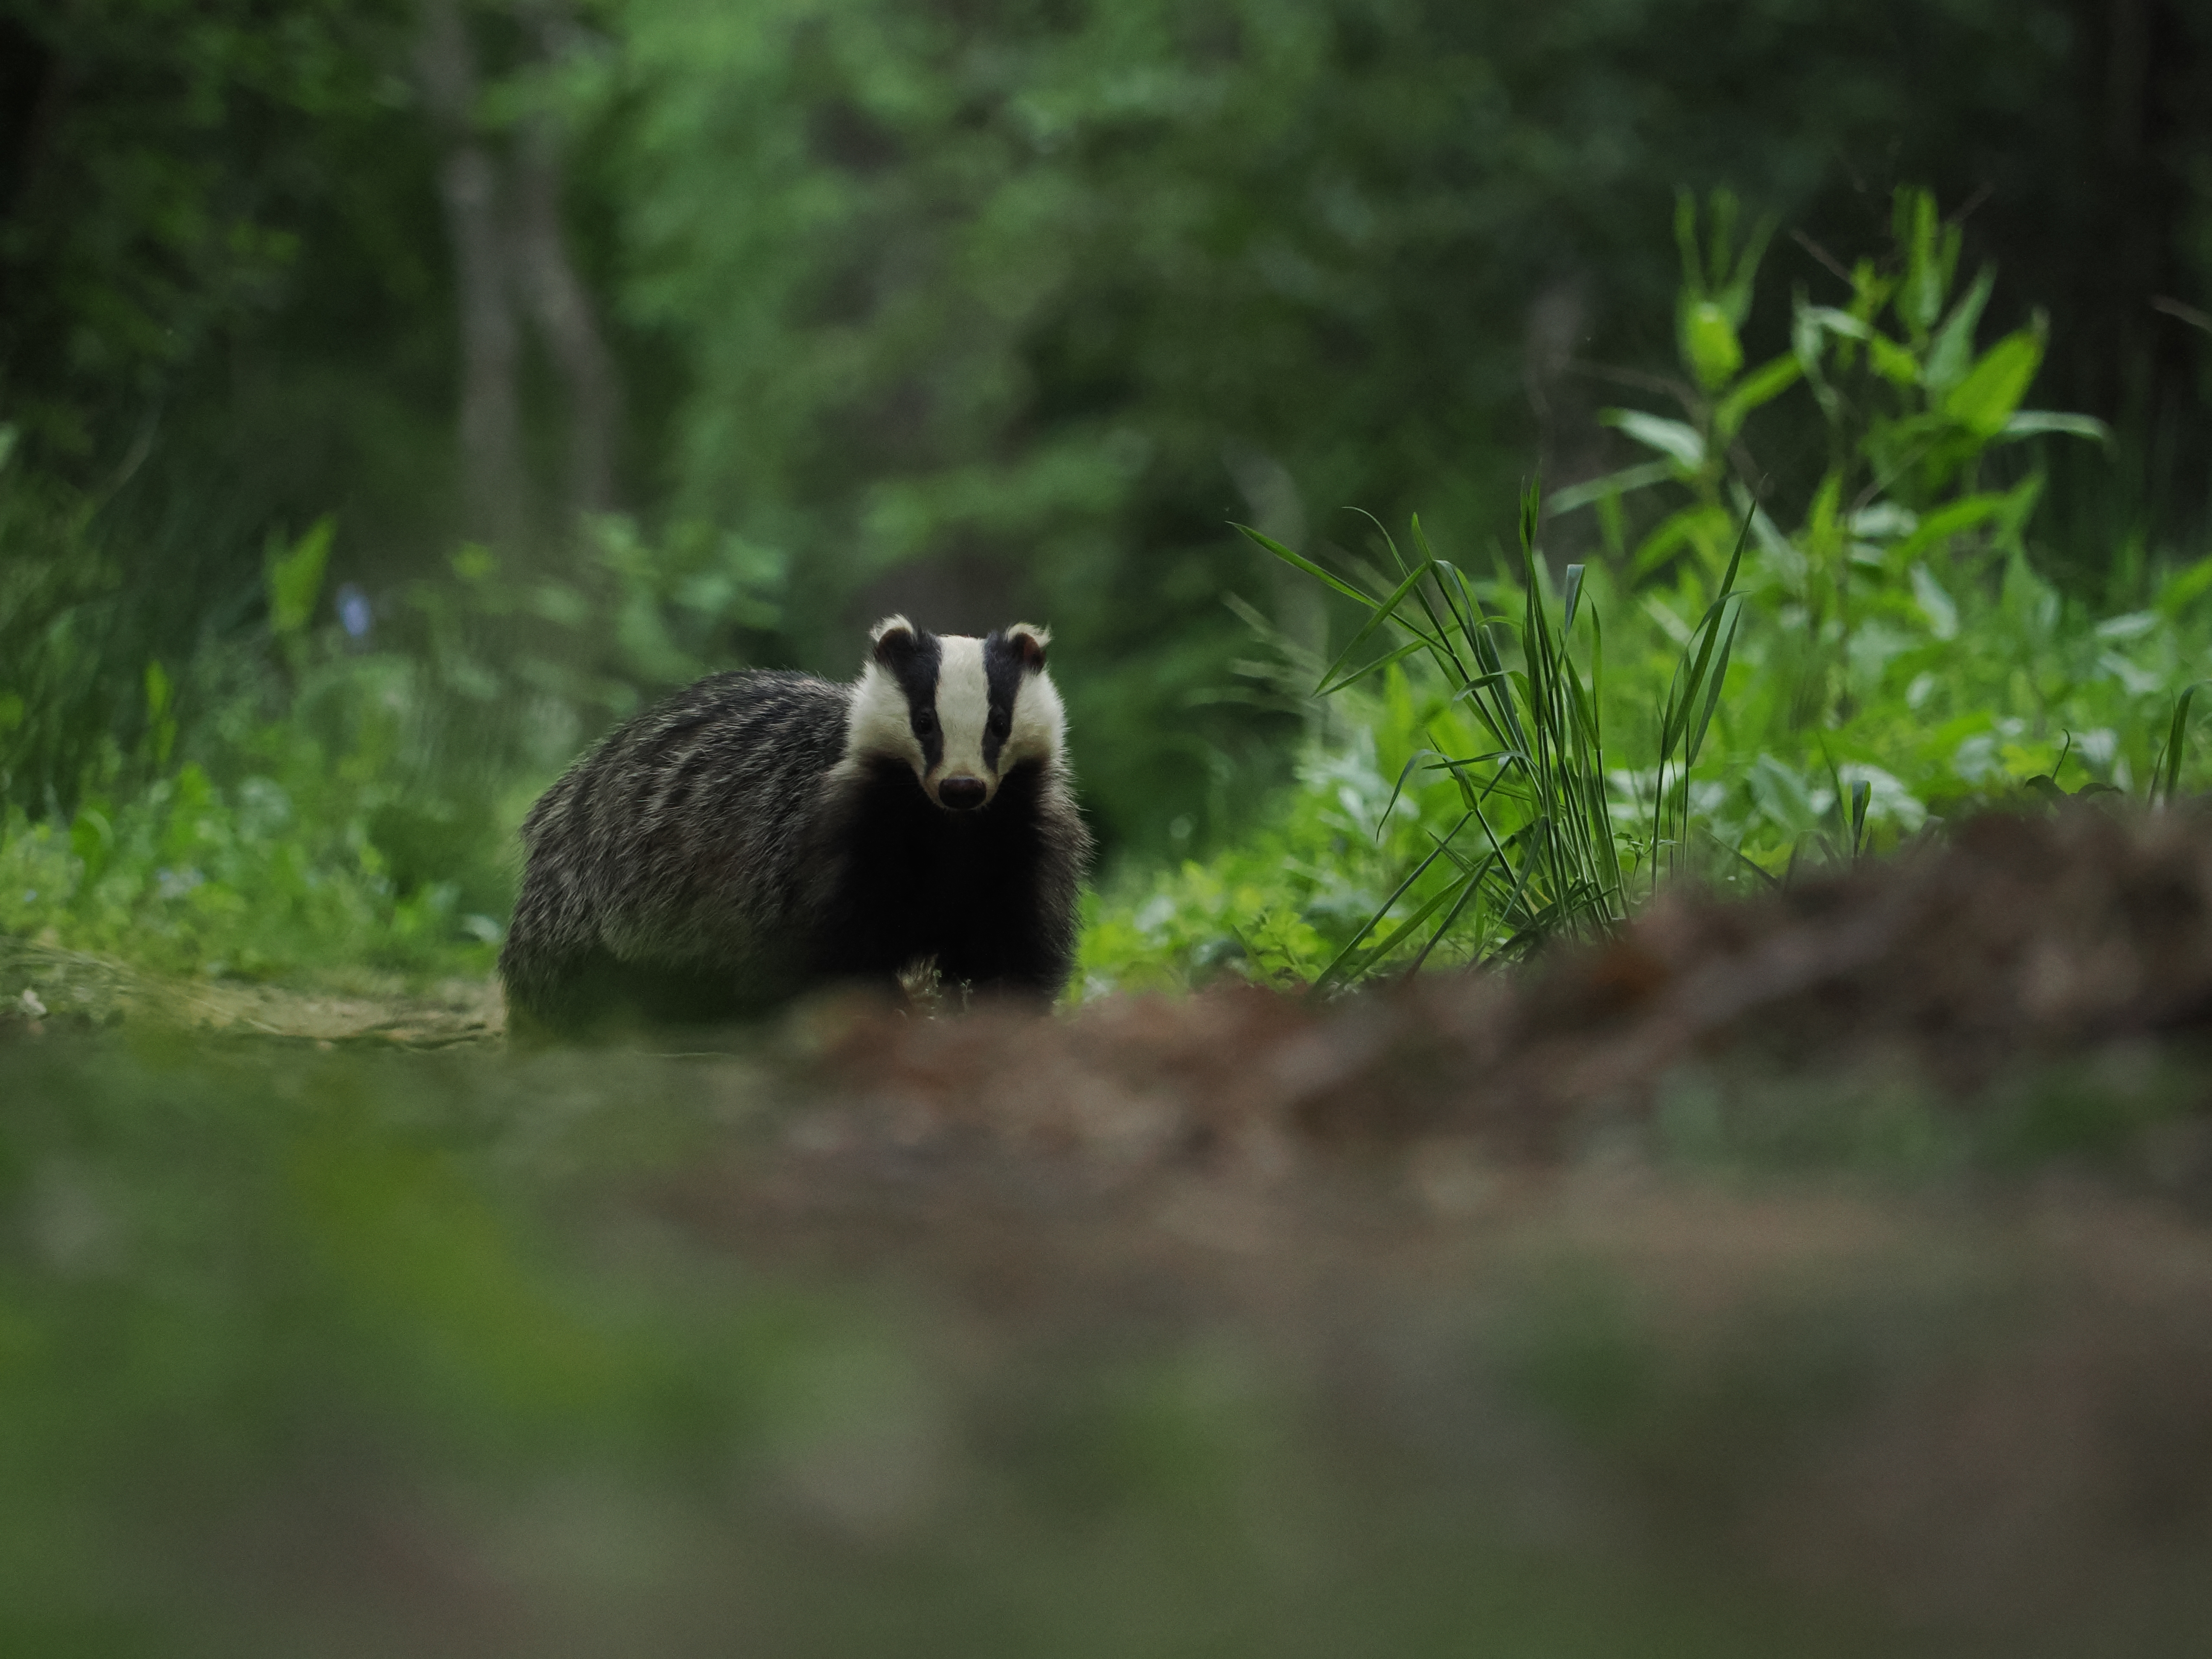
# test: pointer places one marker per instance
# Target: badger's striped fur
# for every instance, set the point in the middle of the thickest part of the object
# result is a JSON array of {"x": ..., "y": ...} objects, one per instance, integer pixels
[{"x": 761, "y": 833}]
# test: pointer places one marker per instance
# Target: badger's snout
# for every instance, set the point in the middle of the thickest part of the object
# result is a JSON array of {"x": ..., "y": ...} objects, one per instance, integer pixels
[{"x": 962, "y": 795}]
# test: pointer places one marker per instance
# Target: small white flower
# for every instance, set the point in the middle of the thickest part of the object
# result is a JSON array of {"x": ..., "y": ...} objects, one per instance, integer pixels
[{"x": 29, "y": 1003}]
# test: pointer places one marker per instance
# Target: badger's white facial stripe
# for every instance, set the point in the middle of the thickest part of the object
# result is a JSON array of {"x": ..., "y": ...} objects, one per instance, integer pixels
[
  {"x": 880, "y": 722},
  {"x": 963, "y": 704},
  {"x": 1040, "y": 723}
]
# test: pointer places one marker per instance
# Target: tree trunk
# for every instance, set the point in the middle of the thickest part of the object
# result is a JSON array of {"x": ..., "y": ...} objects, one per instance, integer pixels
[
  {"x": 491, "y": 442},
  {"x": 557, "y": 295}
]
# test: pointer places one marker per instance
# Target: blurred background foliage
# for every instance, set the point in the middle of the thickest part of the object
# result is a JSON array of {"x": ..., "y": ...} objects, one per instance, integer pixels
[{"x": 616, "y": 341}]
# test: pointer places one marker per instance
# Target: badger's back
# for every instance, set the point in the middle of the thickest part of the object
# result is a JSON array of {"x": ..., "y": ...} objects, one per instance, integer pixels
[{"x": 672, "y": 851}]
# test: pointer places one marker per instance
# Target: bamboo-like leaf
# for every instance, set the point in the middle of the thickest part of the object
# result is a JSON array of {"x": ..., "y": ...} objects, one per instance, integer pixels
[
  {"x": 1407, "y": 771},
  {"x": 1446, "y": 659},
  {"x": 2165, "y": 771},
  {"x": 1420, "y": 870},
  {"x": 1469, "y": 889},
  {"x": 1303, "y": 563},
  {"x": 1404, "y": 929},
  {"x": 1697, "y": 739},
  {"x": 1417, "y": 643},
  {"x": 1384, "y": 612}
]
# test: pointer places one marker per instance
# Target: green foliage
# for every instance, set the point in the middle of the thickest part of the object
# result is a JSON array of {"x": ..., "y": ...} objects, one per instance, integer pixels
[
  {"x": 1776, "y": 695},
  {"x": 1006, "y": 312},
  {"x": 997, "y": 312},
  {"x": 308, "y": 803},
  {"x": 160, "y": 159}
]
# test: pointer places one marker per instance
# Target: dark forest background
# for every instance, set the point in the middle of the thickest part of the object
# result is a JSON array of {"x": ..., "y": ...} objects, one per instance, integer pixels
[{"x": 751, "y": 322}]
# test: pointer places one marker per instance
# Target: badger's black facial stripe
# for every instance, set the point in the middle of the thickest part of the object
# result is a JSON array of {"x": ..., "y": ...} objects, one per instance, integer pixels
[
  {"x": 1002, "y": 673},
  {"x": 916, "y": 670}
]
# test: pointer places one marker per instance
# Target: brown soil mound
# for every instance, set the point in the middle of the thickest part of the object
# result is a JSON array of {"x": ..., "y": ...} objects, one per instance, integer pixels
[{"x": 2025, "y": 940}]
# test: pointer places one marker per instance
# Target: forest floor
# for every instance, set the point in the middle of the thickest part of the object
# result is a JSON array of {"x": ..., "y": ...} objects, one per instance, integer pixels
[{"x": 1828, "y": 1275}]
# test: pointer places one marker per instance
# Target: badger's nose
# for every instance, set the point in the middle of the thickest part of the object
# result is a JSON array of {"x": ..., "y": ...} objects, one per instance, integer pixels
[{"x": 962, "y": 795}]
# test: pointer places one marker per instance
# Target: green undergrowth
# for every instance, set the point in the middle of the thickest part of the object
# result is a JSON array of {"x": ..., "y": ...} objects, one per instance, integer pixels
[
  {"x": 329, "y": 796},
  {"x": 1750, "y": 676},
  {"x": 1745, "y": 672}
]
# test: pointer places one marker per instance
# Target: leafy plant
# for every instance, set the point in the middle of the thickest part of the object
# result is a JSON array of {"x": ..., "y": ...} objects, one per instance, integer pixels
[
  {"x": 1913, "y": 411},
  {"x": 326, "y": 797},
  {"x": 1821, "y": 691}
]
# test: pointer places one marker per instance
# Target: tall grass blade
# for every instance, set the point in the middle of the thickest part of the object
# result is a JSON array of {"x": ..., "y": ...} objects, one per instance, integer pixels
[{"x": 2165, "y": 771}]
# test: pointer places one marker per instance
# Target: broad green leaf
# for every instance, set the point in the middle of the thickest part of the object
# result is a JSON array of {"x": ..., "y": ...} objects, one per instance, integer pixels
[
  {"x": 1687, "y": 527},
  {"x": 1641, "y": 477},
  {"x": 1673, "y": 438},
  {"x": 1931, "y": 257},
  {"x": 1938, "y": 606},
  {"x": 2185, "y": 587},
  {"x": 1953, "y": 518},
  {"x": 1763, "y": 385},
  {"x": 92, "y": 839},
  {"x": 1885, "y": 521},
  {"x": 1782, "y": 796},
  {"x": 2031, "y": 422},
  {"x": 293, "y": 578},
  {"x": 1893, "y": 362},
  {"x": 2132, "y": 626},
  {"x": 1985, "y": 401},
  {"x": 1827, "y": 500},
  {"x": 1839, "y": 322},
  {"x": 1953, "y": 352},
  {"x": 1710, "y": 346}
]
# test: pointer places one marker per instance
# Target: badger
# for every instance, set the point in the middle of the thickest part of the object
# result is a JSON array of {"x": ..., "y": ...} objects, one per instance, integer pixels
[{"x": 762, "y": 832}]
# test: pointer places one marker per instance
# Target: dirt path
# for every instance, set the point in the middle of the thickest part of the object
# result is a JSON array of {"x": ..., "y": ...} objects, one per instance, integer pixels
[{"x": 44, "y": 984}]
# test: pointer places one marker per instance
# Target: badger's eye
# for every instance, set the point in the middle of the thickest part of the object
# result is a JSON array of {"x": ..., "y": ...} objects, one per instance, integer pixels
[
  {"x": 1000, "y": 724},
  {"x": 925, "y": 721}
]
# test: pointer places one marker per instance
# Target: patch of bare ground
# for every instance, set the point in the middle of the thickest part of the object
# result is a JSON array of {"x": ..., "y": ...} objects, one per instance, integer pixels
[
  {"x": 44, "y": 986},
  {"x": 1851, "y": 1245},
  {"x": 1968, "y": 1374}
]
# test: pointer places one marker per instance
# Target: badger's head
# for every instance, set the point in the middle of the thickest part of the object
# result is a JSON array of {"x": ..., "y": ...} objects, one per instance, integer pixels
[{"x": 962, "y": 712}]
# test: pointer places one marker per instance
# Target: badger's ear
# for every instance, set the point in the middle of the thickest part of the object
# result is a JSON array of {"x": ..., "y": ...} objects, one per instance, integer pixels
[
  {"x": 893, "y": 640},
  {"x": 1029, "y": 641}
]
